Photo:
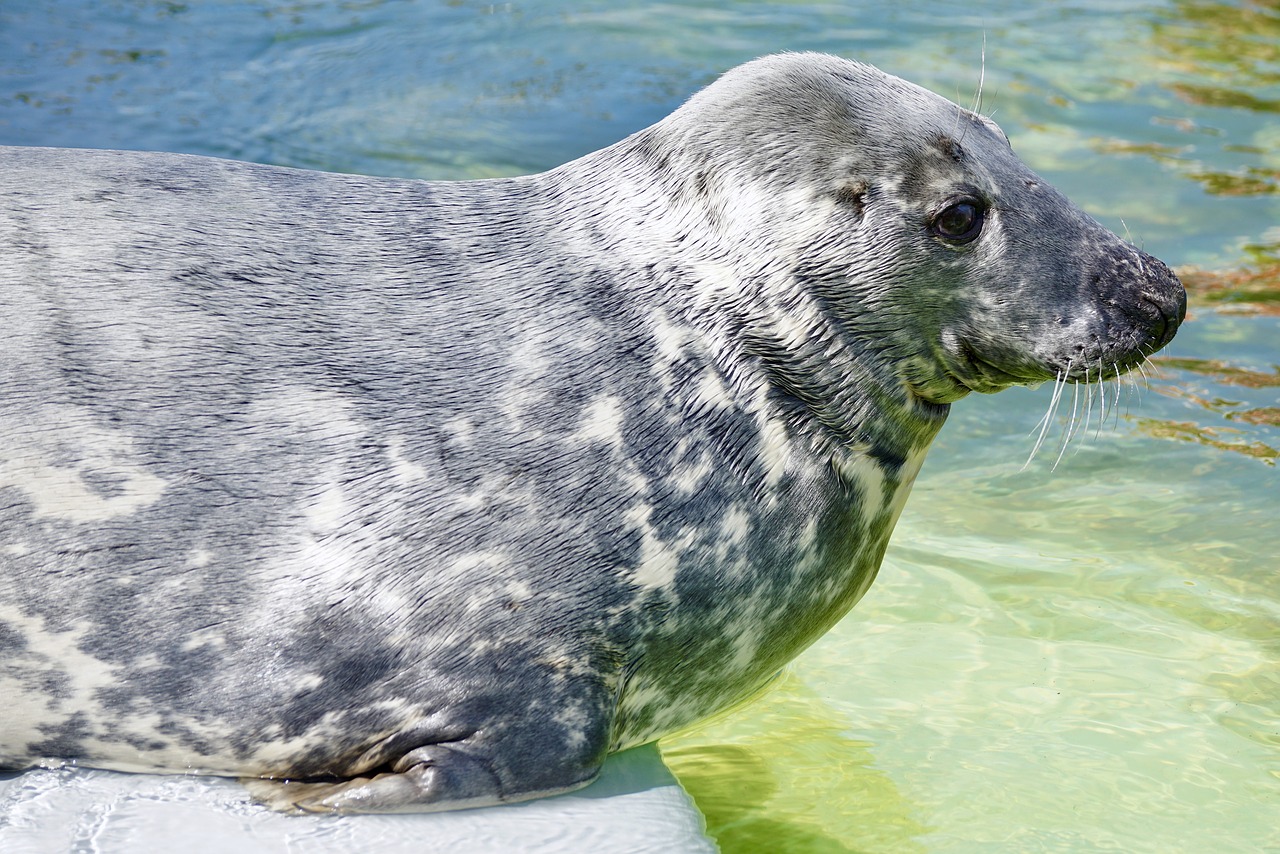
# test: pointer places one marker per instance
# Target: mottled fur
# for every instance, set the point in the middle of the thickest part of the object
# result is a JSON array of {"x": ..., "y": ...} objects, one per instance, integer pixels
[{"x": 424, "y": 495}]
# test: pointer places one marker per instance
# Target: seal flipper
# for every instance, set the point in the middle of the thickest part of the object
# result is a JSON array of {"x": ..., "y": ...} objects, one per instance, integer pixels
[
  {"x": 434, "y": 765},
  {"x": 431, "y": 777}
]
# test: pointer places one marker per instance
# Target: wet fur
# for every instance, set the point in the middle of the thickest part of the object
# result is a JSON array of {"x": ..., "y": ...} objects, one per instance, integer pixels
[{"x": 424, "y": 495}]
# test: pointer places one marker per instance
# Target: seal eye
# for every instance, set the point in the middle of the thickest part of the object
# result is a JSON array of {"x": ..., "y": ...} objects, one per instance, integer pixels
[{"x": 960, "y": 222}]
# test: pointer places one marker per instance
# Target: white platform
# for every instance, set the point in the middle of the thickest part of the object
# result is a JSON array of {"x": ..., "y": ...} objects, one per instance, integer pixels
[{"x": 635, "y": 806}]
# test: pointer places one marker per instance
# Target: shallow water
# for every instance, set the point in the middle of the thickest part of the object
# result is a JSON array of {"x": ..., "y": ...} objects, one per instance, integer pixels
[{"x": 1055, "y": 658}]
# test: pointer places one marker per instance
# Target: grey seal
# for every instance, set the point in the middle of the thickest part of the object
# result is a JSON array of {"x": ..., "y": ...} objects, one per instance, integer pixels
[{"x": 405, "y": 495}]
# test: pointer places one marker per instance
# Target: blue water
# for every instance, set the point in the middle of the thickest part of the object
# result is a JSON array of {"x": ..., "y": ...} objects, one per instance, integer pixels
[{"x": 1055, "y": 658}]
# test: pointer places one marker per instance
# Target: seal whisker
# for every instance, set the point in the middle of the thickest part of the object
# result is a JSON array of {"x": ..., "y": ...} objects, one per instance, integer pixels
[
  {"x": 977, "y": 97},
  {"x": 1119, "y": 413},
  {"x": 1047, "y": 419},
  {"x": 982, "y": 77},
  {"x": 1081, "y": 433},
  {"x": 1070, "y": 428},
  {"x": 1090, "y": 392},
  {"x": 1131, "y": 386},
  {"x": 1115, "y": 404},
  {"x": 1145, "y": 382},
  {"x": 1102, "y": 400}
]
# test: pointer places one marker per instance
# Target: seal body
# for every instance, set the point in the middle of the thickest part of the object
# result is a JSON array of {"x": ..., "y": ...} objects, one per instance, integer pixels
[{"x": 414, "y": 495}]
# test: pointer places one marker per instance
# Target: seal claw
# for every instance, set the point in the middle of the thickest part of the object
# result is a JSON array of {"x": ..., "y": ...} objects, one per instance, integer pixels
[
  {"x": 379, "y": 794},
  {"x": 430, "y": 777}
]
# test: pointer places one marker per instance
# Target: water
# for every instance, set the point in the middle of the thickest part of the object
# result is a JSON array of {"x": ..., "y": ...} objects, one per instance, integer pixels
[{"x": 1079, "y": 657}]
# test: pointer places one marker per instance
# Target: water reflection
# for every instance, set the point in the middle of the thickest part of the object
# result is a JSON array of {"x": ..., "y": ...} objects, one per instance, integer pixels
[
  {"x": 1243, "y": 398},
  {"x": 1231, "y": 49},
  {"x": 763, "y": 775},
  {"x": 1252, "y": 290},
  {"x": 1220, "y": 59},
  {"x": 1221, "y": 438}
]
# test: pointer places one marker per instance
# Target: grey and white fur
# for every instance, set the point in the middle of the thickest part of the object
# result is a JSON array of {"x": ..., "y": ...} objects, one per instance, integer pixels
[{"x": 412, "y": 495}]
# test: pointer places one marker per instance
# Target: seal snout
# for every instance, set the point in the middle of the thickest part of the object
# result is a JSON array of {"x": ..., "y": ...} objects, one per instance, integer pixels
[
  {"x": 1166, "y": 318},
  {"x": 1173, "y": 308},
  {"x": 1111, "y": 313},
  {"x": 1163, "y": 300},
  {"x": 1147, "y": 299}
]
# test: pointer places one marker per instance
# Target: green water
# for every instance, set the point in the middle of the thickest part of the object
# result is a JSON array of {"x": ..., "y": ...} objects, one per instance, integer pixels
[{"x": 1053, "y": 659}]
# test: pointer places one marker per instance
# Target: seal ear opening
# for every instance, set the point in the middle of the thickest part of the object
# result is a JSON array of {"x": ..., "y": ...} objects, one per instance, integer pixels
[{"x": 854, "y": 197}]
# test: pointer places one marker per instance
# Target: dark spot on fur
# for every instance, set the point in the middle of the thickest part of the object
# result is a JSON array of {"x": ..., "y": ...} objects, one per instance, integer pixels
[
  {"x": 891, "y": 460},
  {"x": 700, "y": 183},
  {"x": 55, "y": 684},
  {"x": 853, "y": 196},
  {"x": 106, "y": 484},
  {"x": 950, "y": 148},
  {"x": 65, "y": 740},
  {"x": 11, "y": 640}
]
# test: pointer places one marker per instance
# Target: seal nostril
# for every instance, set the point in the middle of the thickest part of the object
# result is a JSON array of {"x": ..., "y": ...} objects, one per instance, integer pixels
[
  {"x": 1154, "y": 318},
  {"x": 1164, "y": 321},
  {"x": 1164, "y": 297}
]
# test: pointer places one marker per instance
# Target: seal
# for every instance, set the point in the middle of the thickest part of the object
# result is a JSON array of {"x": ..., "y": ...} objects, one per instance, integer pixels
[{"x": 404, "y": 495}]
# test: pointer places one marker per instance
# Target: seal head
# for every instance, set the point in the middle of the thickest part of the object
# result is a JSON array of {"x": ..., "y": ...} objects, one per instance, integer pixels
[{"x": 909, "y": 218}]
